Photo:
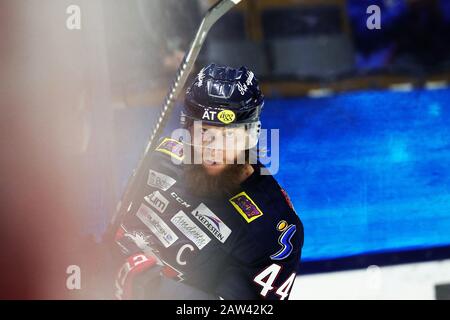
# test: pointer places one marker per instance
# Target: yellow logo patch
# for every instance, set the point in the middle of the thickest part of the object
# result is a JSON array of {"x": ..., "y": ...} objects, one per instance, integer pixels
[
  {"x": 226, "y": 116},
  {"x": 246, "y": 207},
  {"x": 171, "y": 147}
]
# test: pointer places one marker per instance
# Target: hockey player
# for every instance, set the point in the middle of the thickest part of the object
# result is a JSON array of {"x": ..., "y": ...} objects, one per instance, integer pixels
[{"x": 206, "y": 223}]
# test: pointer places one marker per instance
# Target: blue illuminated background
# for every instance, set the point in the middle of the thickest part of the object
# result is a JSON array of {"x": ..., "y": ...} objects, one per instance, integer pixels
[{"x": 368, "y": 171}]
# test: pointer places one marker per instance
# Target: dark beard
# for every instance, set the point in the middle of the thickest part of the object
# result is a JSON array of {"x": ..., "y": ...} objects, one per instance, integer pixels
[{"x": 200, "y": 183}]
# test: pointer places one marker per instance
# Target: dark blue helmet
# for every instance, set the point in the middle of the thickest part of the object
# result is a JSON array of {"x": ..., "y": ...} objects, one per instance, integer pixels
[{"x": 222, "y": 96}]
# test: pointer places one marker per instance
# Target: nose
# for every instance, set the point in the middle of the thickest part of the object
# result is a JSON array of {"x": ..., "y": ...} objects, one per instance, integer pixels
[
  {"x": 212, "y": 139},
  {"x": 212, "y": 153},
  {"x": 208, "y": 138}
]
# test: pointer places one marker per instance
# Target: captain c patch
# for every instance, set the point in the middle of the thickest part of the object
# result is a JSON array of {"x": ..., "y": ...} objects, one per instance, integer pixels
[
  {"x": 171, "y": 147},
  {"x": 246, "y": 207}
]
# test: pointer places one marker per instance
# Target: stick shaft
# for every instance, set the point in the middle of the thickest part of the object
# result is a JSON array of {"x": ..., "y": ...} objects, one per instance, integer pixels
[{"x": 211, "y": 17}]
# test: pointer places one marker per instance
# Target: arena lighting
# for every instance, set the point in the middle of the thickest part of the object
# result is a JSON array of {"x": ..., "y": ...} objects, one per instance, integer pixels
[
  {"x": 320, "y": 93},
  {"x": 436, "y": 85},
  {"x": 402, "y": 87}
]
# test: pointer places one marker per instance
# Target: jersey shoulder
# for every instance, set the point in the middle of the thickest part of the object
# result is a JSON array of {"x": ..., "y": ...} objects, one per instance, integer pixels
[
  {"x": 166, "y": 158},
  {"x": 171, "y": 148},
  {"x": 269, "y": 221},
  {"x": 262, "y": 201}
]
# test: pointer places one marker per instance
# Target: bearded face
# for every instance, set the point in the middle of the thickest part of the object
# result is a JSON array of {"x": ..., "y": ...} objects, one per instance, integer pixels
[
  {"x": 225, "y": 183},
  {"x": 223, "y": 160}
]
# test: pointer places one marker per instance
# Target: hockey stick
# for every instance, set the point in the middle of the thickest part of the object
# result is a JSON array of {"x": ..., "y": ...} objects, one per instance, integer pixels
[{"x": 211, "y": 17}]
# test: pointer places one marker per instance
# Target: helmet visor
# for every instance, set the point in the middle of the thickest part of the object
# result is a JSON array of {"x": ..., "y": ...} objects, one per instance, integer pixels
[{"x": 237, "y": 137}]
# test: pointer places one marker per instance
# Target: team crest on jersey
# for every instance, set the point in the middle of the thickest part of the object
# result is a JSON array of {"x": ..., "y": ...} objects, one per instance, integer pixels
[
  {"x": 284, "y": 240},
  {"x": 246, "y": 207},
  {"x": 171, "y": 147}
]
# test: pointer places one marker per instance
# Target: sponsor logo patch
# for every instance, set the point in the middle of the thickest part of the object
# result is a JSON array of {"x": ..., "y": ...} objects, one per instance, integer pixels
[
  {"x": 157, "y": 201},
  {"x": 156, "y": 225},
  {"x": 160, "y": 180},
  {"x": 171, "y": 147},
  {"x": 214, "y": 225},
  {"x": 180, "y": 200},
  {"x": 190, "y": 230},
  {"x": 284, "y": 240},
  {"x": 209, "y": 115},
  {"x": 226, "y": 116},
  {"x": 246, "y": 207}
]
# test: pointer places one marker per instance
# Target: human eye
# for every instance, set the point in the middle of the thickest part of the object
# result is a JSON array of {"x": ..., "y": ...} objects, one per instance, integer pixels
[{"x": 229, "y": 134}]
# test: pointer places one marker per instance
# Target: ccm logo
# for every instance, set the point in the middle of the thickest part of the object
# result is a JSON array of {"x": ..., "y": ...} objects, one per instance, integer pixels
[{"x": 180, "y": 200}]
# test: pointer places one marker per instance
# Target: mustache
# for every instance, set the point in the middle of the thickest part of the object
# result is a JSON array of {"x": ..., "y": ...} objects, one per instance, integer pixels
[{"x": 200, "y": 183}]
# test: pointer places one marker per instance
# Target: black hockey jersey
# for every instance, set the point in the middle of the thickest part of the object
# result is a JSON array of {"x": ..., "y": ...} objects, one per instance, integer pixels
[{"x": 246, "y": 246}]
